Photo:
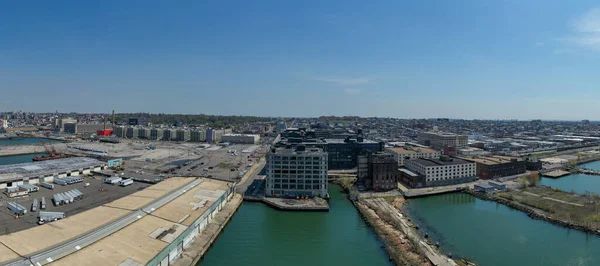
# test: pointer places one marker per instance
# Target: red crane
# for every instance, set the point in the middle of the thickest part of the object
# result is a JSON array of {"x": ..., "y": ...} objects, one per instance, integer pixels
[{"x": 51, "y": 151}]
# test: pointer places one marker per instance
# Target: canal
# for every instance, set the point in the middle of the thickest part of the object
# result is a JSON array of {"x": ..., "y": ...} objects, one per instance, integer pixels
[
  {"x": 24, "y": 141},
  {"x": 26, "y": 158},
  {"x": 259, "y": 235},
  {"x": 490, "y": 234},
  {"x": 578, "y": 183}
]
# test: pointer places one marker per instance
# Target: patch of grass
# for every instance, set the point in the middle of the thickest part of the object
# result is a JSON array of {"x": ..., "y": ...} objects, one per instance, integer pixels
[{"x": 588, "y": 215}]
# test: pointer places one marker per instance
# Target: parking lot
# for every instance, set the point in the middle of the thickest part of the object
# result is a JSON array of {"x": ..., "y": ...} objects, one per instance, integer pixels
[{"x": 95, "y": 195}]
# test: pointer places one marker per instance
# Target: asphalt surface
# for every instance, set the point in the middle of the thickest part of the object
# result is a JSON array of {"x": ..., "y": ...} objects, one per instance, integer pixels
[{"x": 93, "y": 197}]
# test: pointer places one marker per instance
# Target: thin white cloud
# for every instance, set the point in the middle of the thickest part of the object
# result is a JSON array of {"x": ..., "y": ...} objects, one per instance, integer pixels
[
  {"x": 586, "y": 30},
  {"x": 352, "y": 91},
  {"x": 344, "y": 81},
  {"x": 563, "y": 51},
  {"x": 588, "y": 22},
  {"x": 539, "y": 44}
]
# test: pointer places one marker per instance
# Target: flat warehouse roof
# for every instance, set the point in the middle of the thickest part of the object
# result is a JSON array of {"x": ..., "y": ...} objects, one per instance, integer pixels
[
  {"x": 143, "y": 197},
  {"x": 490, "y": 160},
  {"x": 437, "y": 162},
  {"x": 37, "y": 238},
  {"x": 142, "y": 240},
  {"x": 137, "y": 242},
  {"x": 34, "y": 169},
  {"x": 191, "y": 205}
]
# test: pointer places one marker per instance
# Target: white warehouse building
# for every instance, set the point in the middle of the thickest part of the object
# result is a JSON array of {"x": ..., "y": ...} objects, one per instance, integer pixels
[
  {"x": 442, "y": 169},
  {"x": 45, "y": 171},
  {"x": 240, "y": 138}
]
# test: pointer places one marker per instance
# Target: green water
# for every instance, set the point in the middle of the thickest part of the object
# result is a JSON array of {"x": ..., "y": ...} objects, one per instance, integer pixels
[
  {"x": 25, "y": 141},
  {"x": 19, "y": 158},
  {"x": 493, "y": 234},
  {"x": 578, "y": 183},
  {"x": 259, "y": 235}
]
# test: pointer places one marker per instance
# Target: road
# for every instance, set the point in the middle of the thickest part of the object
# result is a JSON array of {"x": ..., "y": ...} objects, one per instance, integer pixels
[
  {"x": 243, "y": 185},
  {"x": 64, "y": 249}
]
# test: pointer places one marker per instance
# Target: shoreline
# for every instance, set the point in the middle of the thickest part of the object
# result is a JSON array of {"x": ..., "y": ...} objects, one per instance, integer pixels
[{"x": 533, "y": 213}]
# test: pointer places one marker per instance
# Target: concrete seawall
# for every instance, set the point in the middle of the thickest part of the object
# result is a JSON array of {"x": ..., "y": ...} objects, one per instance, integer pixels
[{"x": 197, "y": 249}]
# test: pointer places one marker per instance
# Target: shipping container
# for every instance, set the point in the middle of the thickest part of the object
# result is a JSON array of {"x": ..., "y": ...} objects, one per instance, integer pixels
[
  {"x": 34, "y": 205},
  {"x": 60, "y": 181},
  {"x": 112, "y": 180},
  {"x": 12, "y": 192},
  {"x": 47, "y": 185},
  {"x": 68, "y": 199},
  {"x": 30, "y": 188},
  {"x": 50, "y": 216},
  {"x": 125, "y": 182},
  {"x": 57, "y": 199},
  {"x": 16, "y": 208}
]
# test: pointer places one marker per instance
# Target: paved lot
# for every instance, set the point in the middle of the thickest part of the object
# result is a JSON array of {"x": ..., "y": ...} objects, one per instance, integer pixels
[{"x": 93, "y": 197}]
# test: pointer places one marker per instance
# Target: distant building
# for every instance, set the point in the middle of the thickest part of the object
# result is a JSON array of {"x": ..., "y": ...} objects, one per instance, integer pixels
[
  {"x": 70, "y": 128},
  {"x": 143, "y": 133},
  {"x": 156, "y": 133},
  {"x": 198, "y": 135},
  {"x": 498, "y": 166},
  {"x": 120, "y": 132},
  {"x": 533, "y": 164},
  {"x": 138, "y": 121},
  {"x": 296, "y": 171},
  {"x": 59, "y": 123},
  {"x": 437, "y": 172},
  {"x": 439, "y": 140},
  {"x": 240, "y": 138},
  {"x": 168, "y": 134},
  {"x": 343, "y": 154},
  {"x": 215, "y": 135},
  {"x": 182, "y": 135},
  {"x": 407, "y": 153}
]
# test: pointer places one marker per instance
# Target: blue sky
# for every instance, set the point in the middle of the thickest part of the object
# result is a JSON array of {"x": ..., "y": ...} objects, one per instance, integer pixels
[{"x": 407, "y": 59}]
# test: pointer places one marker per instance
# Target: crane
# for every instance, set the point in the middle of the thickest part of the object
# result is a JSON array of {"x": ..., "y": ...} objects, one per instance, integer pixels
[{"x": 53, "y": 154}]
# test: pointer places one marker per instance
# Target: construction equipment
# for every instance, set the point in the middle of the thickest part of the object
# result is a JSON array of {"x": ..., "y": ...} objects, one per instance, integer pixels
[{"x": 53, "y": 154}]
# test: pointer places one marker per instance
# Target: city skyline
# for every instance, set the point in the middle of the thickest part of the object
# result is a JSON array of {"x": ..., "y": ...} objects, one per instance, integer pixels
[{"x": 476, "y": 60}]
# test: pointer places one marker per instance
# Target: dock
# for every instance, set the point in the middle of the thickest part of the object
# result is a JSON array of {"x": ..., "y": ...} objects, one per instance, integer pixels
[
  {"x": 587, "y": 171},
  {"x": 314, "y": 204},
  {"x": 421, "y": 192},
  {"x": 556, "y": 173}
]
